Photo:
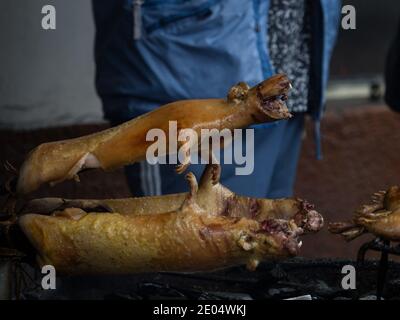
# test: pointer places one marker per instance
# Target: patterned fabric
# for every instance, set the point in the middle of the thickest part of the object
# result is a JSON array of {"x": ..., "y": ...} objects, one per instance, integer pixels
[{"x": 289, "y": 44}]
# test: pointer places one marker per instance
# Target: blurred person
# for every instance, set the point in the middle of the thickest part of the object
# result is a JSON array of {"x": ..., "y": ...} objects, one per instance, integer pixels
[
  {"x": 392, "y": 74},
  {"x": 152, "y": 52}
]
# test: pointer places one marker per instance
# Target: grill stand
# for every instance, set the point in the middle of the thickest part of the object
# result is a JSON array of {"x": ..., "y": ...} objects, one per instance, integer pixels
[{"x": 384, "y": 247}]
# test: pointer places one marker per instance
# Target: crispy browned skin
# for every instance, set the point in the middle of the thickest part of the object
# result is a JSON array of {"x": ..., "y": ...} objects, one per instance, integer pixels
[
  {"x": 212, "y": 196},
  {"x": 381, "y": 218},
  {"x": 57, "y": 161},
  {"x": 189, "y": 239}
]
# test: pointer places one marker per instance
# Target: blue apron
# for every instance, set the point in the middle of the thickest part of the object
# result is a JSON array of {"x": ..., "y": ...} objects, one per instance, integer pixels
[{"x": 149, "y": 53}]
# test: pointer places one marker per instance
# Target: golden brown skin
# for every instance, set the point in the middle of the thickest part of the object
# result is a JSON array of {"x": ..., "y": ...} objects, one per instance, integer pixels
[
  {"x": 381, "y": 218},
  {"x": 125, "y": 144},
  {"x": 212, "y": 196},
  {"x": 188, "y": 240}
]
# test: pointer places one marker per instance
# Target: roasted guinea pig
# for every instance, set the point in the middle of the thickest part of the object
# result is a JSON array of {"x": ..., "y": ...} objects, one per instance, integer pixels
[
  {"x": 61, "y": 160},
  {"x": 192, "y": 238},
  {"x": 381, "y": 218}
]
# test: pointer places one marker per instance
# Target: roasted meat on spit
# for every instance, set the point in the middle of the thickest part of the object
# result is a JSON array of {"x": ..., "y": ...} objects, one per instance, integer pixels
[
  {"x": 61, "y": 160},
  {"x": 192, "y": 238},
  {"x": 381, "y": 218},
  {"x": 207, "y": 228}
]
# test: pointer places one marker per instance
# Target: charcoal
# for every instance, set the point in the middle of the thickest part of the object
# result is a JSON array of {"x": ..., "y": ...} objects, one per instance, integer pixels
[
  {"x": 319, "y": 278},
  {"x": 369, "y": 297}
]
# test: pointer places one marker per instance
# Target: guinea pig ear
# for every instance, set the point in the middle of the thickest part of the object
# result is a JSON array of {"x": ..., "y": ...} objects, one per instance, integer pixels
[{"x": 238, "y": 92}]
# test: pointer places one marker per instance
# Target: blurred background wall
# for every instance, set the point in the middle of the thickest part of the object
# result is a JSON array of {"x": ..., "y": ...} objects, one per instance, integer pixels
[{"x": 46, "y": 76}]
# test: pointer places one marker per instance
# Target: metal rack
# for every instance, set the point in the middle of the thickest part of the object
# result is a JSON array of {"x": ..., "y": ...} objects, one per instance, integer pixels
[{"x": 383, "y": 246}]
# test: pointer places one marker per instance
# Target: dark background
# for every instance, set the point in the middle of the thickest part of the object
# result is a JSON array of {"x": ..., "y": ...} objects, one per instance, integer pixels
[{"x": 362, "y": 52}]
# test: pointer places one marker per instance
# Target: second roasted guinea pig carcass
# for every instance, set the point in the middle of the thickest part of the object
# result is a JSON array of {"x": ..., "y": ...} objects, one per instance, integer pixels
[
  {"x": 380, "y": 218},
  {"x": 202, "y": 231}
]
